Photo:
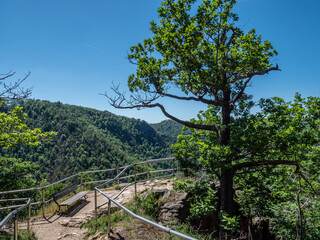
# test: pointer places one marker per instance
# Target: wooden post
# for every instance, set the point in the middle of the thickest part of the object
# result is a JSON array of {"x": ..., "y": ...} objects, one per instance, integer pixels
[
  {"x": 43, "y": 192},
  {"x": 148, "y": 174},
  {"x": 81, "y": 181},
  {"x": 15, "y": 234},
  {"x": 28, "y": 226},
  {"x": 173, "y": 168},
  {"x": 118, "y": 176},
  {"x": 109, "y": 219},
  {"x": 177, "y": 165},
  {"x": 135, "y": 179},
  {"x": 95, "y": 206}
]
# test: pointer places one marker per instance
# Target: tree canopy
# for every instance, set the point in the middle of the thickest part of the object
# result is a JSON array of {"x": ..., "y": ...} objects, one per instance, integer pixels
[
  {"x": 88, "y": 139},
  {"x": 198, "y": 48},
  {"x": 17, "y": 173}
]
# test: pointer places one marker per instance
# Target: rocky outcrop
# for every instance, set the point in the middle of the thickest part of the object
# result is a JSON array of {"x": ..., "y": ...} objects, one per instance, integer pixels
[{"x": 173, "y": 208}]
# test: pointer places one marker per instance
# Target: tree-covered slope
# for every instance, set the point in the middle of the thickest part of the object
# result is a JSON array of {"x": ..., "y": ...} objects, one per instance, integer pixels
[
  {"x": 88, "y": 139},
  {"x": 169, "y": 129}
]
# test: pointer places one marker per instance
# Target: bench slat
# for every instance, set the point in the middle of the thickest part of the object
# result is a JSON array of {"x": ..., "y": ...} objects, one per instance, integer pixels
[
  {"x": 65, "y": 191},
  {"x": 73, "y": 199}
]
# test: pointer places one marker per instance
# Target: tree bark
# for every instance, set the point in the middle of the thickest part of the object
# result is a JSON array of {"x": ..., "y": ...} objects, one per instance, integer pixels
[
  {"x": 227, "y": 204},
  {"x": 227, "y": 192}
]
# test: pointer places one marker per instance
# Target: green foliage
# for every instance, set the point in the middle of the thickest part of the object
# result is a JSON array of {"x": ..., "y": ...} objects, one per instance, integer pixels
[
  {"x": 140, "y": 205},
  {"x": 87, "y": 139},
  {"x": 102, "y": 224},
  {"x": 168, "y": 129},
  {"x": 17, "y": 173},
  {"x": 120, "y": 217},
  {"x": 229, "y": 223},
  {"x": 203, "y": 197},
  {"x": 186, "y": 228},
  {"x": 196, "y": 49},
  {"x": 148, "y": 203},
  {"x": 14, "y": 131},
  {"x": 21, "y": 236},
  {"x": 287, "y": 131}
]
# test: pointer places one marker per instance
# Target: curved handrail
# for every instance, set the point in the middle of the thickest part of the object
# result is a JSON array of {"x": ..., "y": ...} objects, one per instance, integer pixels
[
  {"x": 110, "y": 199},
  {"x": 14, "y": 212},
  {"x": 117, "y": 177},
  {"x": 86, "y": 172},
  {"x": 165, "y": 229},
  {"x": 104, "y": 182}
]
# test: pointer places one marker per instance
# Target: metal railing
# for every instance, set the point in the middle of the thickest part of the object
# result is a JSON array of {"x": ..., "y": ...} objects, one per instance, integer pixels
[
  {"x": 117, "y": 178},
  {"x": 14, "y": 213},
  {"x": 110, "y": 199},
  {"x": 79, "y": 175}
]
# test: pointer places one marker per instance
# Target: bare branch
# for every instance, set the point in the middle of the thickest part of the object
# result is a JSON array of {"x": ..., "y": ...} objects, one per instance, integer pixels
[
  {"x": 250, "y": 75},
  {"x": 198, "y": 99},
  {"x": 137, "y": 101},
  {"x": 245, "y": 84},
  {"x": 13, "y": 90},
  {"x": 304, "y": 178},
  {"x": 239, "y": 95},
  {"x": 6, "y": 75},
  {"x": 185, "y": 123},
  {"x": 231, "y": 37}
]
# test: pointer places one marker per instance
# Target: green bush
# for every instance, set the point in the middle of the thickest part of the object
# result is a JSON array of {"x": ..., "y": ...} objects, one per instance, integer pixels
[
  {"x": 203, "y": 200},
  {"x": 148, "y": 204}
]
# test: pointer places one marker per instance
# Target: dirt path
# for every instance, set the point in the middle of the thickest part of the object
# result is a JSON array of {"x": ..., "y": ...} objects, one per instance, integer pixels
[{"x": 66, "y": 227}]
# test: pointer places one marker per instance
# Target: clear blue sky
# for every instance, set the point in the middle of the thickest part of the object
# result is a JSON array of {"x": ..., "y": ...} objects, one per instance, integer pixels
[{"x": 74, "y": 49}]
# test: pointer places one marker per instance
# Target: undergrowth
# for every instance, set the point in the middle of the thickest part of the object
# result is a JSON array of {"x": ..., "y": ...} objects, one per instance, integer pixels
[
  {"x": 147, "y": 207},
  {"x": 22, "y": 235}
]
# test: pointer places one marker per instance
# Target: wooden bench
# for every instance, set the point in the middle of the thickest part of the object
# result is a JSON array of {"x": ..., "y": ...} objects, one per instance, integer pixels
[{"x": 68, "y": 202}]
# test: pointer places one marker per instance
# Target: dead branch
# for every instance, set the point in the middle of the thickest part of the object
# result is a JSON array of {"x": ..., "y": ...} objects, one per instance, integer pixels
[
  {"x": 13, "y": 90},
  {"x": 250, "y": 75},
  {"x": 146, "y": 101}
]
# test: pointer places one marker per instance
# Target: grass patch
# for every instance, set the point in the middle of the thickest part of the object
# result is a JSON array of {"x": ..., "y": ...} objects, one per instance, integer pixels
[
  {"x": 146, "y": 207},
  {"x": 22, "y": 235}
]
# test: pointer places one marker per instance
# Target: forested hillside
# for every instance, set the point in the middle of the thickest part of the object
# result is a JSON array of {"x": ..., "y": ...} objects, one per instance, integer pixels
[{"x": 90, "y": 139}]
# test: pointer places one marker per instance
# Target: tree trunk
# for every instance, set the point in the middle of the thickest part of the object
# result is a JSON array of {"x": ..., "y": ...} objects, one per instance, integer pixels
[
  {"x": 226, "y": 190},
  {"x": 227, "y": 204}
]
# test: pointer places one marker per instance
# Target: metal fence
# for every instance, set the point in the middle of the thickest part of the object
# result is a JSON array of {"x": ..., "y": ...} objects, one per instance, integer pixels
[
  {"x": 80, "y": 176},
  {"x": 13, "y": 214},
  {"x": 110, "y": 199}
]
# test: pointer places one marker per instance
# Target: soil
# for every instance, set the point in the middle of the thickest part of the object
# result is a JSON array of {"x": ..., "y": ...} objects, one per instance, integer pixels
[{"x": 67, "y": 226}]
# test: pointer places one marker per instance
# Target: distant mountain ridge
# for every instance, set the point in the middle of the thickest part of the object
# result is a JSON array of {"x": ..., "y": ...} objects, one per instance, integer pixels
[{"x": 91, "y": 139}]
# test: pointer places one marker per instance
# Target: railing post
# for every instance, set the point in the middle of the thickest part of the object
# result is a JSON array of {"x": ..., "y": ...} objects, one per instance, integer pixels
[
  {"x": 28, "y": 226},
  {"x": 95, "y": 206},
  {"x": 135, "y": 179},
  {"x": 177, "y": 166},
  {"x": 43, "y": 192},
  {"x": 109, "y": 223},
  {"x": 15, "y": 234},
  {"x": 81, "y": 186},
  {"x": 173, "y": 168},
  {"x": 148, "y": 175},
  {"x": 118, "y": 176}
]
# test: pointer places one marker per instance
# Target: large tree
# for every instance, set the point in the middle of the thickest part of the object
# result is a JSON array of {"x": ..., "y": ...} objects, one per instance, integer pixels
[
  {"x": 271, "y": 152},
  {"x": 197, "y": 47}
]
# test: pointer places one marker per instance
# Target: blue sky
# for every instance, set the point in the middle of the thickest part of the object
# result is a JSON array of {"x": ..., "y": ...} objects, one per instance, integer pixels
[{"x": 75, "y": 49}]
